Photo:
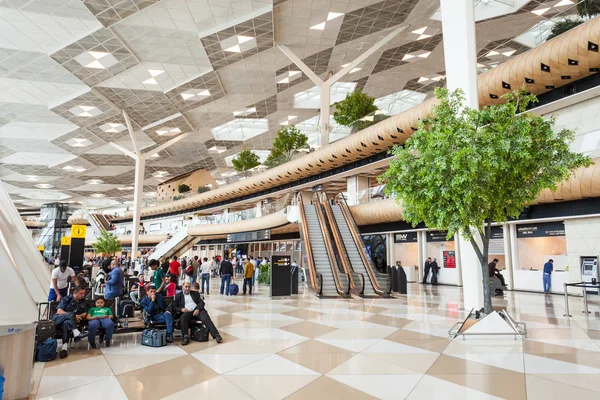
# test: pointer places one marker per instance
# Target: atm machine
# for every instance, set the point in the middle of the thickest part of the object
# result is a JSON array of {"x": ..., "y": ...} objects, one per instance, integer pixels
[{"x": 589, "y": 272}]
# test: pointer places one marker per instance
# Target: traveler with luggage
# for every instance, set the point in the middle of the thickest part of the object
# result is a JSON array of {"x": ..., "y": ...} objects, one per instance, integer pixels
[
  {"x": 114, "y": 282},
  {"x": 59, "y": 285},
  {"x": 205, "y": 275},
  {"x": 248, "y": 274},
  {"x": 100, "y": 317},
  {"x": 157, "y": 311},
  {"x": 190, "y": 307},
  {"x": 71, "y": 311},
  {"x": 225, "y": 273}
]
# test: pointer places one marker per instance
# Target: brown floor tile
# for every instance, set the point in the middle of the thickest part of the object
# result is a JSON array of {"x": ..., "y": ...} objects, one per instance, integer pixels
[
  {"x": 452, "y": 365},
  {"x": 327, "y": 388},
  {"x": 593, "y": 334},
  {"x": 533, "y": 347},
  {"x": 322, "y": 363},
  {"x": 314, "y": 347},
  {"x": 194, "y": 346},
  {"x": 369, "y": 308},
  {"x": 420, "y": 340},
  {"x": 303, "y": 314},
  {"x": 507, "y": 386},
  {"x": 165, "y": 378},
  {"x": 583, "y": 381},
  {"x": 558, "y": 333},
  {"x": 76, "y": 354},
  {"x": 308, "y": 329},
  {"x": 226, "y": 320},
  {"x": 388, "y": 321},
  {"x": 234, "y": 309},
  {"x": 418, "y": 363},
  {"x": 542, "y": 388}
]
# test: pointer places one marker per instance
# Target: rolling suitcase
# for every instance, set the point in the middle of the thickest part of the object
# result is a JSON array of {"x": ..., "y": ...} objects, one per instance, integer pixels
[
  {"x": 126, "y": 309},
  {"x": 45, "y": 328},
  {"x": 234, "y": 289}
]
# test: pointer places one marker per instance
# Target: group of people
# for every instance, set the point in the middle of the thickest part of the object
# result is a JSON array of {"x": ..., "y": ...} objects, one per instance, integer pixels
[{"x": 431, "y": 265}]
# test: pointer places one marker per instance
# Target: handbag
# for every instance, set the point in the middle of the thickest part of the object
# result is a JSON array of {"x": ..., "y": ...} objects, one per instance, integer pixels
[
  {"x": 152, "y": 337},
  {"x": 199, "y": 333}
]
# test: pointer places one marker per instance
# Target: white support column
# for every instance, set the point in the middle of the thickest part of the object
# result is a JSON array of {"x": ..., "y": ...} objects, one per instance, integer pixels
[
  {"x": 422, "y": 256},
  {"x": 514, "y": 255},
  {"x": 508, "y": 275},
  {"x": 460, "y": 56},
  {"x": 325, "y": 112},
  {"x": 140, "y": 166},
  {"x": 258, "y": 213}
]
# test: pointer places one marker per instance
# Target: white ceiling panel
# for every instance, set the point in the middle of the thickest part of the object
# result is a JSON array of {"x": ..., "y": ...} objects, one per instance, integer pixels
[{"x": 32, "y": 130}]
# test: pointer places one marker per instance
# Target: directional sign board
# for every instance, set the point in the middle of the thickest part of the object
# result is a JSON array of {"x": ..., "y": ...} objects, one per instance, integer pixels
[
  {"x": 281, "y": 276},
  {"x": 78, "y": 231}
]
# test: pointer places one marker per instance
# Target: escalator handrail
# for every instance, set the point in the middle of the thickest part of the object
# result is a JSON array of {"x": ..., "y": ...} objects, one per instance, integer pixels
[
  {"x": 375, "y": 276},
  {"x": 317, "y": 285},
  {"x": 337, "y": 275},
  {"x": 337, "y": 237}
]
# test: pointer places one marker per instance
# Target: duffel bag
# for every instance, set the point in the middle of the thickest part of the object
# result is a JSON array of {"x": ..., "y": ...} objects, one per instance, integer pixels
[
  {"x": 46, "y": 351},
  {"x": 199, "y": 333},
  {"x": 154, "y": 337}
]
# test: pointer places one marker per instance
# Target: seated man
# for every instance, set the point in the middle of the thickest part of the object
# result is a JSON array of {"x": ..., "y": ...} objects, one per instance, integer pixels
[
  {"x": 493, "y": 271},
  {"x": 157, "y": 311},
  {"x": 134, "y": 292},
  {"x": 190, "y": 306},
  {"x": 100, "y": 317},
  {"x": 72, "y": 310}
]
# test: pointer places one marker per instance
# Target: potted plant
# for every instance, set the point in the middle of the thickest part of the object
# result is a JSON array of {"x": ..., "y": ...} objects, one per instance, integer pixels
[
  {"x": 287, "y": 143},
  {"x": 107, "y": 243},
  {"x": 464, "y": 169},
  {"x": 245, "y": 160},
  {"x": 355, "y": 106}
]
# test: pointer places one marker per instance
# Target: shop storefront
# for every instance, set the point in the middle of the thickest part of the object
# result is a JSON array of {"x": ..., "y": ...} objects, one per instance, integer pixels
[
  {"x": 406, "y": 253},
  {"x": 535, "y": 245},
  {"x": 444, "y": 251}
]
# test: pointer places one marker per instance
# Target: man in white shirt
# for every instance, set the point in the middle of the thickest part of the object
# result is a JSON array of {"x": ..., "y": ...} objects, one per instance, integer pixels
[
  {"x": 189, "y": 306},
  {"x": 59, "y": 284},
  {"x": 205, "y": 268}
]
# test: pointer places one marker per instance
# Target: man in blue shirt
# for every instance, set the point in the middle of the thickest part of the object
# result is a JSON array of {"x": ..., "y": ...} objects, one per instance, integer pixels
[
  {"x": 548, "y": 267},
  {"x": 114, "y": 281},
  {"x": 158, "y": 311}
]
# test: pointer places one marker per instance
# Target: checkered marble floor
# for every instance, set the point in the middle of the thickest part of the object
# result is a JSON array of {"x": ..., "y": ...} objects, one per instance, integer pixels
[{"x": 306, "y": 348}]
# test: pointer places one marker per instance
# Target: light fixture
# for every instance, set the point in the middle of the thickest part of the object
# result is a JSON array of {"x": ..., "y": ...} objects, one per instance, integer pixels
[
  {"x": 32, "y": 178},
  {"x": 126, "y": 188},
  {"x": 191, "y": 93},
  {"x": 245, "y": 112},
  {"x": 287, "y": 79},
  {"x": 44, "y": 186},
  {"x": 330, "y": 16},
  {"x": 96, "y": 59},
  {"x": 353, "y": 70},
  {"x": 78, "y": 142},
  {"x": 155, "y": 155},
  {"x": 113, "y": 127},
  {"x": 492, "y": 53},
  {"x": 289, "y": 118},
  {"x": 85, "y": 111},
  {"x": 168, "y": 131},
  {"x": 319, "y": 27},
  {"x": 563, "y": 3},
  {"x": 71, "y": 168},
  {"x": 95, "y": 181},
  {"x": 540, "y": 11},
  {"x": 97, "y": 195},
  {"x": 235, "y": 44},
  {"x": 218, "y": 149},
  {"x": 421, "y": 33}
]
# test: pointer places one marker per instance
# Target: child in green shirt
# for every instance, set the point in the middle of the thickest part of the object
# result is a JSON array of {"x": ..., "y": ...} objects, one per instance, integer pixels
[{"x": 100, "y": 317}]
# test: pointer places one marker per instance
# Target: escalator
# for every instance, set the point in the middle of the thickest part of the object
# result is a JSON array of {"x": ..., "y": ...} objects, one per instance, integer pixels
[
  {"x": 353, "y": 251},
  {"x": 326, "y": 279},
  {"x": 98, "y": 222}
]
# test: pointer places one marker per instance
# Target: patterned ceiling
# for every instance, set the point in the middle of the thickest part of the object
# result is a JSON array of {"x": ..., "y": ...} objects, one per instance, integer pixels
[{"x": 69, "y": 67}]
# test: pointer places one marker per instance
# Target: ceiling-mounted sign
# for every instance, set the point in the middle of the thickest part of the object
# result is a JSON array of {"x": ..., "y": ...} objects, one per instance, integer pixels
[
  {"x": 249, "y": 236},
  {"x": 408, "y": 237},
  {"x": 317, "y": 188},
  {"x": 544, "y": 229},
  {"x": 438, "y": 236}
]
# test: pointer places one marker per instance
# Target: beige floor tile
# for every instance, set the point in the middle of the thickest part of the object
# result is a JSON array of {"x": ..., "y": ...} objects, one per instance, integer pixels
[
  {"x": 590, "y": 359},
  {"x": 303, "y": 314},
  {"x": 315, "y": 347},
  {"x": 252, "y": 346},
  {"x": 369, "y": 308},
  {"x": 366, "y": 333},
  {"x": 446, "y": 364},
  {"x": 77, "y": 354},
  {"x": 122, "y": 364},
  {"x": 418, "y": 363},
  {"x": 234, "y": 308},
  {"x": 389, "y": 321},
  {"x": 583, "y": 381},
  {"x": 217, "y": 388},
  {"x": 363, "y": 365},
  {"x": 92, "y": 366},
  {"x": 507, "y": 386},
  {"x": 166, "y": 378},
  {"x": 534, "y": 347},
  {"x": 321, "y": 363},
  {"x": 308, "y": 329},
  {"x": 541, "y": 388},
  {"x": 559, "y": 333},
  {"x": 420, "y": 340},
  {"x": 271, "y": 387},
  {"x": 327, "y": 388}
]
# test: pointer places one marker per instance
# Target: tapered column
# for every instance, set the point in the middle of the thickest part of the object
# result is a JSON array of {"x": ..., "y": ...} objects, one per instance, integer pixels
[
  {"x": 460, "y": 56},
  {"x": 325, "y": 109},
  {"x": 140, "y": 165}
]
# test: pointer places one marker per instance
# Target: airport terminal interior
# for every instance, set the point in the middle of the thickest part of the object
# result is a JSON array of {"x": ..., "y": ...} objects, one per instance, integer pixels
[{"x": 192, "y": 202}]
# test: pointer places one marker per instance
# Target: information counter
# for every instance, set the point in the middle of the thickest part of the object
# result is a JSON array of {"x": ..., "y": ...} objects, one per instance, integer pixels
[{"x": 531, "y": 280}]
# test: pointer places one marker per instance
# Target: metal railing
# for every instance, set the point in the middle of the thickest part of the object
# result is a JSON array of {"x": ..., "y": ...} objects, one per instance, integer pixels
[{"x": 316, "y": 278}]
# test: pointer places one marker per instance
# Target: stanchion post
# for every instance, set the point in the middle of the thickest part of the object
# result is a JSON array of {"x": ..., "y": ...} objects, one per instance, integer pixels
[
  {"x": 585, "y": 303},
  {"x": 566, "y": 303}
]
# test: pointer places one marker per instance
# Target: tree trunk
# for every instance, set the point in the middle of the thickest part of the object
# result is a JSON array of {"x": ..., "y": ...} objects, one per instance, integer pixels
[{"x": 487, "y": 295}]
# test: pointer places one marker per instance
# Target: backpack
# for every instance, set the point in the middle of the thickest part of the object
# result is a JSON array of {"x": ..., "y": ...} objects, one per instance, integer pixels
[
  {"x": 189, "y": 271},
  {"x": 46, "y": 351},
  {"x": 234, "y": 289},
  {"x": 100, "y": 280},
  {"x": 126, "y": 309}
]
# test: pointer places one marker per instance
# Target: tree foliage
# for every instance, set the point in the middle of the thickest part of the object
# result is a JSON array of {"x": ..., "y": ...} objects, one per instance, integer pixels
[
  {"x": 563, "y": 26},
  {"x": 107, "y": 243},
  {"x": 287, "y": 143},
  {"x": 183, "y": 188},
  {"x": 203, "y": 189},
  {"x": 464, "y": 168},
  {"x": 245, "y": 160},
  {"x": 588, "y": 8},
  {"x": 355, "y": 106}
]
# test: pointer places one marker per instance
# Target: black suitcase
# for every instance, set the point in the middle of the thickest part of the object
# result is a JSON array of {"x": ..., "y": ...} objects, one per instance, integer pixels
[
  {"x": 126, "y": 309},
  {"x": 434, "y": 280},
  {"x": 45, "y": 328},
  {"x": 199, "y": 333}
]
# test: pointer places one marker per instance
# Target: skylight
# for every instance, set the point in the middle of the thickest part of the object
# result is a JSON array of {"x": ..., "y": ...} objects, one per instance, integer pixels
[
  {"x": 397, "y": 102},
  {"x": 241, "y": 129},
  {"x": 330, "y": 16},
  {"x": 96, "y": 59},
  {"x": 311, "y": 98}
]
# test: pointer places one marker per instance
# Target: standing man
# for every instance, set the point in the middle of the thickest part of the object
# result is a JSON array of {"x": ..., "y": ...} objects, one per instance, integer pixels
[
  {"x": 190, "y": 306},
  {"x": 59, "y": 284},
  {"x": 225, "y": 273},
  {"x": 548, "y": 268},
  {"x": 195, "y": 266},
  {"x": 174, "y": 267},
  {"x": 157, "y": 311},
  {"x": 205, "y": 275},
  {"x": 248, "y": 274},
  {"x": 114, "y": 281},
  {"x": 434, "y": 271},
  {"x": 159, "y": 276},
  {"x": 427, "y": 268}
]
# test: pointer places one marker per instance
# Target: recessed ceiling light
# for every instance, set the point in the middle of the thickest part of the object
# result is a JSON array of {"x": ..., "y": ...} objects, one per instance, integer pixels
[
  {"x": 407, "y": 57},
  {"x": 112, "y": 127},
  {"x": 424, "y": 55},
  {"x": 155, "y": 155},
  {"x": 420, "y": 31},
  {"x": 126, "y": 188},
  {"x": 422, "y": 79},
  {"x": 244, "y": 39},
  {"x": 333, "y": 15},
  {"x": 353, "y": 70},
  {"x": 192, "y": 93},
  {"x": 85, "y": 111},
  {"x": 509, "y": 53},
  {"x": 234, "y": 49},
  {"x": 95, "y": 181},
  {"x": 95, "y": 64},
  {"x": 32, "y": 178},
  {"x": 540, "y": 11},
  {"x": 319, "y": 27},
  {"x": 150, "y": 81},
  {"x": 155, "y": 72},
  {"x": 289, "y": 118},
  {"x": 97, "y": 195},
  {"x": 218, "y": 149},
  {"x": 492, "y": 53},
  {"x": 168, "y": 131},
  {"x": 44, "y": 186},
  {"x": 563, "y": 3}
]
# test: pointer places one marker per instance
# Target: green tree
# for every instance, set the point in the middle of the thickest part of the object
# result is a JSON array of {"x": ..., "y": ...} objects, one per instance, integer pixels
[
  {"x": 107, "y": 243},
  {"x": 264, "y": 274},
  {"x": 183, "y": 188},
  {"x": 287, "y": 143},
  {"x": 203, "y": 189},
  {"x": 588, "y": 8},
  {"x": 563, "y": 26},
  {"x": 355, "y": 106},
  {"x": 465, "y": 168},
  {"x": 245, "y": 160}
]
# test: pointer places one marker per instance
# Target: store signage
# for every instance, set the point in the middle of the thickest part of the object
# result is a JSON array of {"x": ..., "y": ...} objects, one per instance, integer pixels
[
  {"x": 407, "y": 237},
  {"x": 497, "y": 232},
  {"x": 438, "y": 236},
  {"x": 541, "y": 230},
  {"x": 281, "y": 261},
  {"x": 449, "y": 259},
  {"x": 249, "y": 236}
]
